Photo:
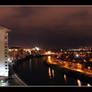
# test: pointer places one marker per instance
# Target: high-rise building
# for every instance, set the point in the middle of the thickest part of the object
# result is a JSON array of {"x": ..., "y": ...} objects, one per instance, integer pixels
[{"x": 4, "y": 51}]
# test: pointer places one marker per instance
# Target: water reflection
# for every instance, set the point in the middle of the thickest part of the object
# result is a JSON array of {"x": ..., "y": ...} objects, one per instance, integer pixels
[
  {"x": 79, "y": 82},
  {"x": 49, "y": 59},
  {"x": 34, "y": 71},
  {"x": 88, "y": 85},
  {"x": 51, "y": 73},
  {"x": 64, "y": 77},
  {"x": 30, "y": 64}
]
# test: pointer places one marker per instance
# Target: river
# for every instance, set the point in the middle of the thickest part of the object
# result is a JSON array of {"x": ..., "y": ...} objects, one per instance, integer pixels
[{"x": 35, "y": 72}]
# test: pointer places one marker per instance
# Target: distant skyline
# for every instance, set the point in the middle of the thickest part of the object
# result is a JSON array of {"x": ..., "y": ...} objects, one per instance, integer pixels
[{"x": 48, "y": 27}]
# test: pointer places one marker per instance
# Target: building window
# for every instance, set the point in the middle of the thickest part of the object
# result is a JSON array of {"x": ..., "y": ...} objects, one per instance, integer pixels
[
  {"x": 6, "y": 68},
  {"x": 6, "y": 62},
  {"x": 6, "y": 37},
  {"x": 6, "y": 52},
  {"x": 6, "y": 46},
  {"x": 5, "y": 55},
  {"x": 6, "y": 65}
]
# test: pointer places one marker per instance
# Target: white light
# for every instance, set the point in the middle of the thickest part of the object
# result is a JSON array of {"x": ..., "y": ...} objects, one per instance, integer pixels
[
  {"x": 4, "y": 84},
  {"x": 2, "y": 81},
  {"x": 49, "y": 57},
  {"x": 88, "y": 85},
  {"x": 10, "y": 60},
  {"x": 61, "y": 50},
  {"x": 77, "y": 55},
  {"x": 37, "y": 48}
]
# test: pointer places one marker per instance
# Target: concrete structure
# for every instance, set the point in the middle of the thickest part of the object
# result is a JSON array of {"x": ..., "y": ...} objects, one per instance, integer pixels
[{"x": 3, "y": 51}]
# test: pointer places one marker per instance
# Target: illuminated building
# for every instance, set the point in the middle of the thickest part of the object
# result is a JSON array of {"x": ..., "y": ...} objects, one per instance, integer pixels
[
  {"x": 3, "y": 51},
  {"x": 37, "y": 51}
]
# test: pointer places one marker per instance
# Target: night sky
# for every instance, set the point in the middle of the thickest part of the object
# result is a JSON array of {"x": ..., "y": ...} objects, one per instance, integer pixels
[{"x": 48, "y": 27}]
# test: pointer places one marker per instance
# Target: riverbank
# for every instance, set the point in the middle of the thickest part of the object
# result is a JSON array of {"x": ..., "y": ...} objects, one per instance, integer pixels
[{"x": 55, "y": 63}]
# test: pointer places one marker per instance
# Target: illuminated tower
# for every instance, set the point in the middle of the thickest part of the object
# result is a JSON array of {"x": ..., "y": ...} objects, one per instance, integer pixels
[{"x": 4, "y": 51}]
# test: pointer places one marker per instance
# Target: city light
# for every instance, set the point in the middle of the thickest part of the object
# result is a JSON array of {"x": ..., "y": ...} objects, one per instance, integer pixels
[
  {"x": 37, "y": 48},
  {"x": 79, "y": 82},
  {"x": 88, "y": 85},
  {"x": 61, "y": 49},
  {"x": 47, "y": 45},
  {"x": 89, "y": 67},
  {"x": 16, "y": 49},
  {"x": 79, "y": 66},
  {"x": 90, "y": 60},
  {"x": 49, "y": 59},
  {"x": 53, "y": 73},
  {"x": 49, "y": 53},
  {"x": 64, "y": 77},
  {"x": 10, "y": 59},
  {"x": 77, "y": 55},
  {"x": 49, "y": 72}
]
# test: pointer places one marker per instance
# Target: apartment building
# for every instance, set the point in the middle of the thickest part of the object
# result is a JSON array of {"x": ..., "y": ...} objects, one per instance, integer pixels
[{"x": 4, "y": 51}]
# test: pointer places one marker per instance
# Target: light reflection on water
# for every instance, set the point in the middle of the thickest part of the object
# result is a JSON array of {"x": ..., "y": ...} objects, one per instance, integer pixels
[
  {"x": 79, "y": 83},
  {"x": 51, "y": 73},
  {"x": 39, "y": 73},
  {"x": 88, "y": 85},
  {"x": 65, "y": 77}
]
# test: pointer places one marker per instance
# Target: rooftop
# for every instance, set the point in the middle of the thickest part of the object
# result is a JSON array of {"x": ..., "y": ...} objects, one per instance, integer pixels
[{"x": 4, "y": 29}]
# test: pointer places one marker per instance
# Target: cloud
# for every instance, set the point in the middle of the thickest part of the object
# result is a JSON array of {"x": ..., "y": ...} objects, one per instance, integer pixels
[{"x": 48, "y": 26}]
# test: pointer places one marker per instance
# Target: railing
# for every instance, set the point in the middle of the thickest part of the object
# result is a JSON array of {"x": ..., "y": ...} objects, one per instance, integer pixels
[{"x": 13, "y": 74}]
